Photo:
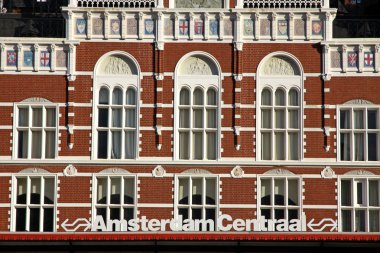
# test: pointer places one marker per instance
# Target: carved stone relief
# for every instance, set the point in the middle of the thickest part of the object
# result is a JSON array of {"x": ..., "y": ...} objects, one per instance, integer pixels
[
  {"x": 199, "y": 3},
  {"x": 196, "y": 66},
  {"x": 279, "y": 66},
  {"x": 115, "y": 65},
  {"x": 358, "y": 102}
]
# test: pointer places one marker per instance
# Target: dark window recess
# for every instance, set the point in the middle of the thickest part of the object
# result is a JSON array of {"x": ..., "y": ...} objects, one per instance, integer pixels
[{"x": 102, "y": 145}]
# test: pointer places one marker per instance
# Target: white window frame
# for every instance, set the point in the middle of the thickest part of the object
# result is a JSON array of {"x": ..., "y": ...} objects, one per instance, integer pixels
[
  {"x": 203, "y": 206},
  {"x": 28, "y": 205},
  {"x": 354, "y": 205},
  {"x": 352, "y": 130},
  {"x": 30, "y": 128},
  {"x": 108, "y": 205},
  {"x": 285, "y": 207}
]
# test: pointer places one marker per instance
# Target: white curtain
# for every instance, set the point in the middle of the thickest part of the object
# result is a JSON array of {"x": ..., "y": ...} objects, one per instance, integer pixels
[
  {"x": 374, "y": 193},
  {"x": 101, "y": 190},
  {"x": 359, "y": 147},
  {"x": 37, "y": 117},
  {"x": 131, "y": 97},
  {"x": 266, "y": 118},
  {"x": 23, "y": 117},
  {"x": 211, "y": 97},
  {"x": 198, "y": 145},
  {"x": 374, "y": 221},
  {"x": 117, "y": 117},
  {"x": 279, "y": 191},
  {"x": 211, "y": 118},
  {"x": 184, "y": 97},
  {"x": 266, "y": 97},
  {"x": 130, "y": 144},
  {"x": 280, "y": 118},
  {"x": 266, "y": 146},
  {"x": 345, "y": 120},
  {"x": 280, "y": 97},
  {"x": 117, "y": 97},
  {"x": 183, "y": 192},
  {"x": 293, "y": 119},
  {"x": 184, "y": 118},
  {"x": 50, "y": 144},
  {"x": 116, "y": 145},
  {"x": 21, "y": 190},
  {"x": 293, "y": 146},
  {"x": 50, "y": 117},
  {"x": 280, "y": 146},
  {"x": 345, "y": 147},
  {"x": 130, "y": 117},
  {"x": 360, "y": 221},
  {"x": 198, "y": 97},
  {"x": 293, "y": 97},
  {"x": 36, "y": 144},
  {"x": 103, "y": 96},
  {"x": 266, "y": 191},
  {"x": 184, "y": 145},
  {"x": 198, "y": 118},
  {"x": 49, "y": 190},
  {"x": 211, "y": 145},
  {"x": 293, "y": 193},
  {"x": 358, "y": 119}
]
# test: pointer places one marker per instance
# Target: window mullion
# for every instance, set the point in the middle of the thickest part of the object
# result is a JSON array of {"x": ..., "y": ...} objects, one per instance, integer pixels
[
  {"x": 272, "y": 148},
  {"x": 123, "y": 129},
  {"x": 29, "y": 146},
  {"x": 42, "y": 187},
  {"x": 109, "y": 195}
]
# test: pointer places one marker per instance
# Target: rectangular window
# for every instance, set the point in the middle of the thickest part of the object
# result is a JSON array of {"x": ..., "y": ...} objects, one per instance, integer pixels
[
  {"x": 359, "y": 134},
  {"x": 36, "y": 132},
  {"x": 33, "y": 206},
  {"x": 359, "y": 202},
  {"x": 197, "y": 198}
]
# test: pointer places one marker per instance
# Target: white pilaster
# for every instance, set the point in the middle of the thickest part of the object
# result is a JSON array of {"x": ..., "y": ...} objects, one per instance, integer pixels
[
  {"x": 326, "y": 59},
  {"x": 176, "y": 26},
  {"x": 238, "y": 30},
  {"x": 221, "y": 25},
  {"x": 89, "y": 25},
  {"x": 52, "y": 58},
  {"x": 160, "y": 4},
  {"x": 361, "y": 58},
  {"x": 291, "y": 25},
  {"x": 274, "y": 26},
  {"x": 160, "y": 27},
  {"x": 308, "y": 26},
  {"x": 106, "y": 25},
  {"x": 257, "y": 25},
  {"x": 239, "y": 4},
  {"x": 141, "y": 25},
  {"x": 71, "y": 68},
  {"x": 3, "y": 56},
  {"x": 69, "y": 25},
  {"x": 20, "y": 57},
  {"x": 206, "y": 25},
  {"x": 328, "y": 26},
  {"x": 36, "y": 57},
  {"x": 191, "y": 26},
  {"x": 123, "y": 25},
  {"x": 344, "y": 58},
  {"x": 377, "y": 58}
]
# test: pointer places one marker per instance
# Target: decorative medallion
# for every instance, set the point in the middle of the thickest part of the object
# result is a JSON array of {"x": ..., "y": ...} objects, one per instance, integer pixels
[
  {"x": 336, "y": 59},
  {"x": 183, "y": 27},
  {"x": 115, "y": 26},
  {"x": 159, "y": 171},
  {"x": 28, "y": 58},
  {"x": 237, "y": 172},
  {"x": 265, "y": 27},
  {"x": 97, "y": 26},
  {"x": 61, "y": 58},
  {"x": 70, "y": 171},
  {"x": 132, "y": 26},
  {"x": 282, "y": 27},
  {"x": 248, "y": 27},
  {"x": 368, "y": 59},
  {"x": 352, "y": 58},
  {"x": 169, "y": 25},
  {"x": 299, "y": 27},
  {"x": 149, "y": 26},
  {"x": 81, "y": 26},
  {"x": 328, "y": 172},
  {"x": 214, "y": 27},
  {"x": 228, "y": 27},
  {"x": 11, "y": 58},
  {"x": 198, "y": 27},
  {"x": 317, "y": 27},
  {"x": 44, "y": 58}
]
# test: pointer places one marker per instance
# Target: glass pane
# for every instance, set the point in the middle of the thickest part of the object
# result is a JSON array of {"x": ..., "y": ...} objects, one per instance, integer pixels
[
  {"x": 102, "y": 144},
  {"x": 21, "y": 219},
  {"x": 280, "y": 118},
  {"x": 184, "y": 142},
  {"x": 279, "y": 214},
  {"x": 23, "y": 117},
  {"x": 37, "y": 144},
  {"x": 280, "y": 97},
  {"x": 360, "y": 221},
  {"x": 293, "y": 146},
  {"x": 196, "y": 214},
  {"x": 184, "y": 212},
  {"x": 372, "y": 119},
  {"x": 293, "y": 97},
  {"x": 37, "y": 117},
  {"x": 266, "y": 213},
  {"x": 51, "y": 117},
  {"x": 211, "y": 118},
  {"x": 210, "y": 215},
  {"x": 292, "y": 214},
  {"x": 130, "y": 117},
  {"x": 345, "y": 121},
  {"x": 22, "y": 143},
  {"x": 196, "y": 191},
  {"x": 346, "y": 192},
  {"x": 372, "y": 147},
  {"x": 48, "y": 219},
  {"x": 50, "y": 145},
  {"x": 293, "y": 194},
  {"x": 102, "y": 191},
  {"x": 359, "y": 147},
  {"x": 117, "y": 115},
  {"x": 102, "y": 212},
  {"x": 211, "y": 145},
  {"x": 117, "y": 97},
  {"x": 103, "y": 96},
  {"x": 21, "y": 191},
  {"x": 358, "y": 119},
  {"x": 184, "y": 97},
  {"x": 198, "y": 118},
  {"x": 293, "y": 119},
  {"x": 198, "y": 97},
  {"x": 279, "y": 192},
  {"x": 114, "y": 215},
  {"x": 198, "y": 146},
  {"x": 346, "y": 221},
  {"x": 130, "y": 145},
  {"x": 266, "y": 191},
  {"x": 210, "y": 191},
  {"x": 280, "y": 146},
  {"x": 266, "y": 97},
  {"x": 183, "y": 192},
  {"x": 184, "y": 118},
  {"x": 266, "y": 146},
  {"x": 103, "y": 117},
  {"x": 266, "y": 118},
  {"x": 34, "y": 220},
  {"x": 116, "y": 145},
  {"x": 131, "y": 97},
  {"x": 345, "y": 147},
  {"x": 211, "y": 97},
  {"x": 129, "y": 190},
  {"x": 49, "y": 191},
  {"x": 374, "y": 221},
  {"x": 129, "y": 214},
  {"x": 373, "y": 193},
  {"x": 115, "y": 190},
  {"x": 359, "y": 193}
]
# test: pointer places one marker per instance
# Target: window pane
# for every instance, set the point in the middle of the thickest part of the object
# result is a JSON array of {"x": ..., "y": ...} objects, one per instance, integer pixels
[
  {"x": 346, "y": 221},
  {"x": 279, "y": 214},
  {"x": 197, "y": 191},
  {"x": 266, "y": 97},
  {"x": 374, "y": 221},
  {"x": 293, "y": 119},
  {"x": 372, "y": 119},
  {"x": 23, "y": 117},
  {"x": 266, "y": 118},
  {"x": 117, "y": 97},
  {"x": 21, "y": 191},
  {"x": 51, "y": 117},
  {"x": 280, "y": 97},
  {"x": 358, "y": 120},
  {"x": 37, "y": 117},
  {"x": 116, "y": 145},
  {"x": 293, "y": 97},
  {"x": 345, "y": 149},
  {"x": 196, "y": 214},
  {"x": 210, "y": 215},
  {"x": 211, "y": 97},
  {"x": 266, "y": 146},
  {"x": 48, "y": 219},
  {"x": 210, "y": 191},
  {"x": 117, "y": 117},
  {"x": 115, "y": 190},
  {"x": 102, "y": 212},
  {"x": 293, "y": 214},
  {"x": 211, "y": 145},
  {"x": 183, "y": 192},
  {"x": 114, "y": 215},
  {"x": 279, "y": 192},
  {"x": 345, "y": 121},
  {"x": 266, "y": 191},
  {"x": 360, "y": 220},
  {"x": 359, "y": 193},
  {"x": 293, "y": 146},
  {"x": 293, "y": 192},
  {"x": 280, "y": 146},
  {"x": 359, "y": 147},
  {"x": 103, "y": 96},
  {"x": 49, "y": 191},
  {"x": 198, "y": 118},
  {"x": 103, "y": 117},
  {"x": 372, "y": 147},
  {"x": 211, "y": 118},
  {"x": 130, "y": 118},
  {"x": 22, "y": 151},
  {"x": 35, "y": 193},
  {"x": 184, "y": 97},
  {"x": 184, "y": 212},
  {"x": 266, "y": 213},
  {"x": 21, "y": 219},
  {"x": 131, "y": 97},
  {"x": 184, "y": 118},
  {"x": 184, "y": 143},
  {"x": 36, "y": 144},
  {"x": 102, "y": 144},
  {"x": 102, "y": 191},
  {"x": 198, "y": 145},
  {"x": 130, "y": 144},
  {"x": 50, "y": 144},
  {"x": 280, "y": 118},
  {"x": 34, "y": 220},
  {"x": 198, "y": 97},
  {"x": 373, "y": 193},
  {"x": 129, "y": 214},
  {"x": 129, "y": 191},
  {"x": 345, "y": 193}
]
